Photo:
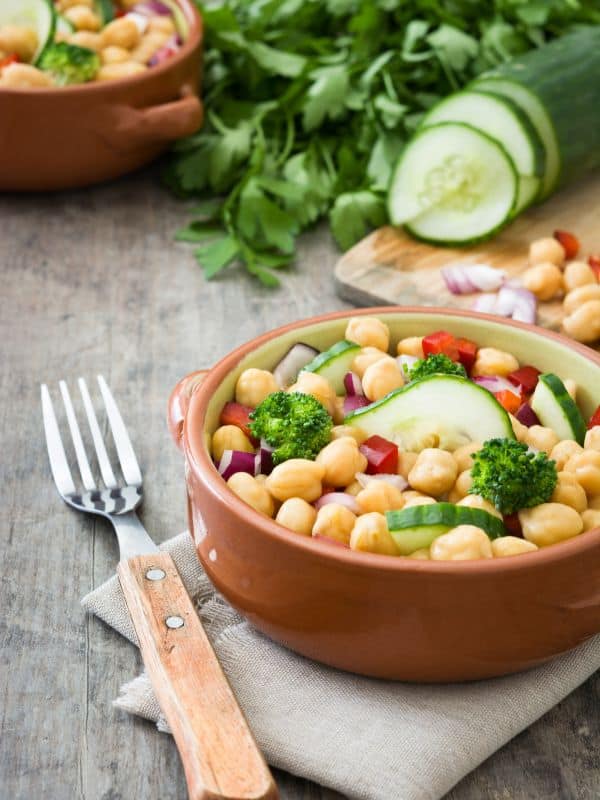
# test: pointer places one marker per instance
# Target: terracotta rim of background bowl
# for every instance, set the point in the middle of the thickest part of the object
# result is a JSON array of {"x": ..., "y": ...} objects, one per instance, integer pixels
[
  {"x": 200, "y": 461},
  {"x": 194, "y": 38}
]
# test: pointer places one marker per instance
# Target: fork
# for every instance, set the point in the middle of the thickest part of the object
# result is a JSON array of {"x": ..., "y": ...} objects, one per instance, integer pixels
[{"x": 220, "y": 757}]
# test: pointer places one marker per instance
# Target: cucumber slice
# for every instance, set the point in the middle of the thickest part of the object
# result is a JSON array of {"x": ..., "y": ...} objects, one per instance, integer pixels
[
  {"x": 64, "y": 26},
  {"x": 539, "y": 118},
  {"x": 416, "y": 527},
  {"x": 39, "y": 15},
  {"x": 334, "y": 363},
  {"x": 453, "y": 185},
  {"x": 447, "y": 410},
  {"x": 528, "y": 192},
  {"x": 179, "y": 18},
  {"x": 556, "y": 408},
  {"x": 105, "y": 10},
  {"x": 501, "y": 119}
]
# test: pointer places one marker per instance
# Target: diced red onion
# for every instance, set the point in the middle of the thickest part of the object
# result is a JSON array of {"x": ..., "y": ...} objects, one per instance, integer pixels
[
  {"x": 468, "y": 278},
  {"x": 485, "y": 303},
  {"x": 233, "y": 461},
  {"x": 494, "y": 383},
  {"x": 298, "y": 356},
  {"x": 169, "y": 48},
  {"x": 141, "y": 20},
  {"x": 264, "y": 461},
  {"x": 397, "y": 481},
  {"x": 354, "y": 402},
  {"x": 527, "y": 416},
  {"x": 352, "y": 384},
  {"x": 341, "y": 498},
  {"x": 151, "y": 8},
  {"x": 406, "y": 363},
  {"x": 511, "y": 301}
]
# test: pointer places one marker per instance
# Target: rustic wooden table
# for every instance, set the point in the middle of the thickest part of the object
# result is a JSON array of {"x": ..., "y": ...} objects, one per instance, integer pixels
[{"x": 92, "y": 282}]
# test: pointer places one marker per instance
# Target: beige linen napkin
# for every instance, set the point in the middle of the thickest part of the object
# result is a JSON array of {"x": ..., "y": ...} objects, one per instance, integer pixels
[{"x": 369, "y": 739}]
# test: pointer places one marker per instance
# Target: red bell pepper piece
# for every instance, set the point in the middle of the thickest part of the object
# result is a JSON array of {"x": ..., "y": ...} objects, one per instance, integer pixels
[
  {"x": 512, "y": 523},
  {"x": 440, "y": 342},
  {"x": 382, "y": 455},
  {"x": 594, "y": 419},
  {"x": 239, "y": 415},
  {"x": 508, "y": 400},
  {"x": 594, "y": 262},
  {"x": 467, "y": 353},
  {"x": 525, "y": 377},
  {"x": 12, "y": 58},
  {"x": 569, "y": 242}
]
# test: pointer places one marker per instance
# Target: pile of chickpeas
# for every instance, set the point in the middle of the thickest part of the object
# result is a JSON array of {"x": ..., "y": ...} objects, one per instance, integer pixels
[
  {"x": 124, "y": 51},
  {"x": 433, "y": 474},
  {"x": 551, "y": 276}
]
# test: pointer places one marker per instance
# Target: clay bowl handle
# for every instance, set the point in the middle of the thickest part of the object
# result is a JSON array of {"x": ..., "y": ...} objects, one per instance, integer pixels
[{"x": 179, "y": 402}]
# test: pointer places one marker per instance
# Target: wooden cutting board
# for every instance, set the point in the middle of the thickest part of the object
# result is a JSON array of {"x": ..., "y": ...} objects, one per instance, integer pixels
[{"x": 390, "y": 268}]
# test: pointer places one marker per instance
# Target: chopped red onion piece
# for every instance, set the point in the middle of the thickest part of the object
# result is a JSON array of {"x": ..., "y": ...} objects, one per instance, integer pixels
[
  {"x": 485, "y": 303},
  {"x": 264, "y": 461},
  {"x": 468, "y": 278},
  {"x": 495, "y": 383},
  {"x": 352, "y": 384},
  {"x": 511, "y": 301},
  {"x": 527, "y": 416},
  {"x": 354, "y": 402},
  {"x": 233, "y": 461},
  {"x": 170, "y": 47},
  {"x": 394, "y": 480},
  {"x": 341, "y": 498},
  {"x": 297, "y": 357},
  {"x": 151, "y": 8}
]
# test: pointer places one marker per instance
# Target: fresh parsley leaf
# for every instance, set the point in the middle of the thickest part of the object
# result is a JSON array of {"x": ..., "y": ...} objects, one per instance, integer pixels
[{"x": 353, "y": 214}]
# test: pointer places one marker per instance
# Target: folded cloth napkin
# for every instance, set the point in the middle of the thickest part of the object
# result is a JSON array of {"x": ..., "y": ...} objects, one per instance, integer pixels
[{"x": 368, "y": 739}]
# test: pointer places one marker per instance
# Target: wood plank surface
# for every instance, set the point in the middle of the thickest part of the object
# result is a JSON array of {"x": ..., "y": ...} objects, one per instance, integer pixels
[{"x": 92, "y": 282}]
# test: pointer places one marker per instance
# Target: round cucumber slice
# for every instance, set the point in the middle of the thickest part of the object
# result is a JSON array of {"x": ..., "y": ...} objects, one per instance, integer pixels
[
  {"x": 179, "y": 18},
  {"x": 501, "y": 119},
  {"x": 416, "y": 527},
  {"x": 528, "y": 191},
  {"x": 446, "y": 409},
  {"x": 556, "y": 408},
  {"x": 334, "y": 363},
  {"x": 39, "y": 15},
  {"x": 538, "y": 117}
]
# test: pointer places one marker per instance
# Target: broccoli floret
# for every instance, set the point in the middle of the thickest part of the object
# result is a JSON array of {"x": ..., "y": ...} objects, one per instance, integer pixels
[
  {"x": 435, "y": 364},
  {"x": 295, "y": 424},
  {"x": 511, "y": 476},
  {"x": 69, "y": 63}
]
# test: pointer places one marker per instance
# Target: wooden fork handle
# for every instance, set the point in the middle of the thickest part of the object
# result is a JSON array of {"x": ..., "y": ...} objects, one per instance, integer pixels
[{"x": 220, "y": 757}]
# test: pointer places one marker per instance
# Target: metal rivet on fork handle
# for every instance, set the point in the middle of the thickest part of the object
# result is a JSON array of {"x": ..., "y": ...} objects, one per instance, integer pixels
[
  {"x": 174, "y": 622},
  {"x": 156, "y": 574}
]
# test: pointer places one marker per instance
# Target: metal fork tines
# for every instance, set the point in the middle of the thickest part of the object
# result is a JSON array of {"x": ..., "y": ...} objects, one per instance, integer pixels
[{"x": 115, "y": 500}]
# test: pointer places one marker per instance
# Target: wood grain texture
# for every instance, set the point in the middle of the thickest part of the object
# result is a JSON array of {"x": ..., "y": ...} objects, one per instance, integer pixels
[
  {"x": 389, "y": 267},
  {"x": 92, "y": 282},
  {"x": 219, "y": 755}
]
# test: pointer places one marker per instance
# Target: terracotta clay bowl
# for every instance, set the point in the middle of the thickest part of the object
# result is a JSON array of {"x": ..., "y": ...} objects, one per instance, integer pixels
[
  {"x": 378, "y": 615},
  {"x": 79, "y": 135}
]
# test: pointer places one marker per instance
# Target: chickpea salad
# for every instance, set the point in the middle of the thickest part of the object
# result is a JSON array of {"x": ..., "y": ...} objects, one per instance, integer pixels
[
  {"x": 47, "y": 44},
  {"x": 444, "y": 451}
]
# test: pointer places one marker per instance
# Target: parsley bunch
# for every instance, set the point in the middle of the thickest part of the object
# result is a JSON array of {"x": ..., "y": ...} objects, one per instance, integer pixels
[{"x": 309, "y": 102}]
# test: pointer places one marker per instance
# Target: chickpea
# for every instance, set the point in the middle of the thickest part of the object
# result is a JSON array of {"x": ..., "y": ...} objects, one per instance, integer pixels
[
  {"x": 491, "y": 361},
  {"x": 476, "y": 501},
  {"x": 519, "y": 430},
  {"x": 550, "y": 523},
  {"x": 334, "y": 521},
  {"x": 149, "y": 44},
  {"x": 122, "y": 32},
  {"x": 541, "y": 438},
  {"x": 63, "y": 5},
  {"x": 381, "y": 378},
  {"x": 379, "y": 496},
  {"x": 338, "y": 411},
  {"x": 578, "y": 273},
  {"x": 590, "y": 519},
  {"x": 584, "y": 323},
  {"x": 252, "y": 492},
  {"x": 412, "y": 346},
  {"x": 464, "y": 455},
  {"x": 417, "y": 499},
  {"x": 366, "y": 357},
  {"x": 563, "y": 451},
  {"x": 371, "y": 535},
  {"x": 571, "y": 388},
  {"x": 24, "y": 76},
  {"x": 511, "y": 546},
  {"x": 161, "y": 25},
  {"x": 592, "y": 438},
  {"x": 126, "y": 69},
  {"x": 84, "y": 19},
  {"x": 253, "y": 386},
  {"x": 586, "y": 468},
  {"x": 318, "y": 387},
  {"x": 353, "y": 488},
  {"x": 229, "y": 437},
  {"x": 434, "y": 472},
  {"x": 297, "y": 515},
  {"x": 569, "y": 492},
  {"x": 547, "y": 249},
  {"x": 594, "y": 503},
  {"x": 20, "y": 40},
  {"x": 92, "y": 41},
  {"x": 341, "y": 460},
  {"x": 583, "y": 294},
  {"x": 545, "y": 280},
  {"x": 461, "y": 487},
  {"x": 406, "y": 462},
  {"x": 357, "y": 434},
  {"x": 368, "y": 332},
  {"x": 463, "y": 543},
  {"x": 421, "y": 555},
  {"x": 297, "y": 477},
  {"x": 114, "y": 55}
]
